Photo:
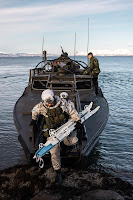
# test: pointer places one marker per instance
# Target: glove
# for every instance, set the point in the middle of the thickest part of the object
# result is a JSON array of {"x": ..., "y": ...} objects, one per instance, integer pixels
[
  {"x": 33, "y": 122},
  {"x": 79, "y": 125}
]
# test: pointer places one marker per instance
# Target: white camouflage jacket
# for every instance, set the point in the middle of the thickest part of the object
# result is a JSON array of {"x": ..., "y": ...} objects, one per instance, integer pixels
[{"x": 67, "y": 106}]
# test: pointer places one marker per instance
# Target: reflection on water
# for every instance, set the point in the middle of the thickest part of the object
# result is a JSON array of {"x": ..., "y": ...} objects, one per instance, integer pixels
[{"x": 114, "y": 150}]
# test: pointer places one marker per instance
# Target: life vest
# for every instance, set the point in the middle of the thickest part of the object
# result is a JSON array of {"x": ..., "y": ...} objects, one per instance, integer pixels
[{"x": 56, "y": 117}]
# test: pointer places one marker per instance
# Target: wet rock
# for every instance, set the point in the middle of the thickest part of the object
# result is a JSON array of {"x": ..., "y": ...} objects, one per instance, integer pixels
[
  {"x": 101, "y": 195},
  {"x": 30, "y": 182},
  {"x": 46, "y": 195}
]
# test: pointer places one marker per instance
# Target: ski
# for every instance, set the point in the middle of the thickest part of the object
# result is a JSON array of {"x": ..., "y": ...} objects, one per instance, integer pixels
[{"x": 58, "y": 135}]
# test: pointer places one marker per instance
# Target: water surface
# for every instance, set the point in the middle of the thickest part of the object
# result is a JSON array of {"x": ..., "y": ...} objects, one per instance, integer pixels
[{"x": 115, "y": 146}]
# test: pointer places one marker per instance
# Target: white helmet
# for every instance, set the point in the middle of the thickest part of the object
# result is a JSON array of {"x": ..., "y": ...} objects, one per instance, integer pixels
[
  {"x": 47, "y": 96},
  {"x": 64, "y": 95}
]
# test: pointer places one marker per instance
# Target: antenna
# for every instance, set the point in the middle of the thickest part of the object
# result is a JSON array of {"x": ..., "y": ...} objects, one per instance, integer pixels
[
  {"x": 75, "y": 46},
  {"x": 42, "y": 47},
  {"x": 88, "y": 42}
]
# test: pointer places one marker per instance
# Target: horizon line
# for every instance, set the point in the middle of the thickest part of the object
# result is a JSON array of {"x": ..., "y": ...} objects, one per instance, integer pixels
[{"x": 53, "y": 55}]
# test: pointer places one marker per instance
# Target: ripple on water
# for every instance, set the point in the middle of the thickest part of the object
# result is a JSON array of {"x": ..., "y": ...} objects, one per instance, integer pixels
[{"x": 115, "y": 146}]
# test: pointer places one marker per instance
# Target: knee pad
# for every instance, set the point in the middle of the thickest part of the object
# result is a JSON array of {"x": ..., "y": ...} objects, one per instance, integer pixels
[{"x": 74, "y": 140}]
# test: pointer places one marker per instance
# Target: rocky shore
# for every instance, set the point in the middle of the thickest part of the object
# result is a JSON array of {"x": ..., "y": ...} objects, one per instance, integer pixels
[{"x": 27, "y": 182}]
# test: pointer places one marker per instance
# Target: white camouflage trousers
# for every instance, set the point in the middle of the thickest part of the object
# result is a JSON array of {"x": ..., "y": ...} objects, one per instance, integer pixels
[{"x": 55, "y": 152}]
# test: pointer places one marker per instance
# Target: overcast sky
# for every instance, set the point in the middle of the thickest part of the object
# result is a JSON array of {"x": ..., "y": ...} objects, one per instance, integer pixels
[{"x": 24, "y": 23}]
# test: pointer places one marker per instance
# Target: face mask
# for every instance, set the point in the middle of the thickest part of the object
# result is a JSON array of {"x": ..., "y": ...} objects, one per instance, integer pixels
[{"x": 49, "y": 101}]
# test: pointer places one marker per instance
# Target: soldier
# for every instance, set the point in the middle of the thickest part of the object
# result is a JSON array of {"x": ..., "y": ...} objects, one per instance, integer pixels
[
  {"x": 64, "y": 95},
  {"x": 94, "y": 70},
  {"x": 54, "y": 109}
]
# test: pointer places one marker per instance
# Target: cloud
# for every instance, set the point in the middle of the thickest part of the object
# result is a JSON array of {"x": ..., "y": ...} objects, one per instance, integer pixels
[
  {"x": 105, "y": 52},
  {"x": 130, "y": 45},
  {"x": 43, "y": 12},
  {"x": 30, "y": 20}
]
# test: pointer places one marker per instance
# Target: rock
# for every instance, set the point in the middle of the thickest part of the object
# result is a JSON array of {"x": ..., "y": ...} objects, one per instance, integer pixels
[
  {"x": 46, "y": 195},
  {"x": 30, "y": 182},
  {"x": 101, "y": 195}
]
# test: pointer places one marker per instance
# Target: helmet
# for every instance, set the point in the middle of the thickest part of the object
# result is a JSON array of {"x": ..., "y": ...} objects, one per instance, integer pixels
[
  {"x": 64, "y": 95},
  {"x": 47, "y": 96},
  {"x": 90, "y": 53}
]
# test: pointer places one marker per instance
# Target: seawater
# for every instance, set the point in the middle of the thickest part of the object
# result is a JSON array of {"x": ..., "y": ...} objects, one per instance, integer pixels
[{"x": 114, "y": 150}]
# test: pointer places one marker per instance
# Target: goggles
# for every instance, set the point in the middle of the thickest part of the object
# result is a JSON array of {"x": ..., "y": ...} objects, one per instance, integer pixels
[{"x": 49, "y": 101}]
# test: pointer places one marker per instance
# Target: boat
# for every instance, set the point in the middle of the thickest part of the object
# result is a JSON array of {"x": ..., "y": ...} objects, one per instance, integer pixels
[{"x": 62, "y": 74}]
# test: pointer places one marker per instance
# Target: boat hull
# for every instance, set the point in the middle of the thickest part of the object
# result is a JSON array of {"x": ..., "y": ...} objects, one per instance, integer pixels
[{"x": 93, "y": 126}]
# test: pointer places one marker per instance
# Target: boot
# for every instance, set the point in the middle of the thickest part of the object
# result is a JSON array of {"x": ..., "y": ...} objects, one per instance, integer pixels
[{"x": 58, "y": 178}]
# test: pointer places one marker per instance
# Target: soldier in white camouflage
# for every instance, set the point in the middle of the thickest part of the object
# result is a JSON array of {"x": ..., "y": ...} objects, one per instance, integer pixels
[{"x": 55, "y": 109}]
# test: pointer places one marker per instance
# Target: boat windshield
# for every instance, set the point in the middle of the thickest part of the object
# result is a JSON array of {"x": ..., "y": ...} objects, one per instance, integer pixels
[
  {"x": 83, "y": 84},
  {"x": 61, "y": 86},
  {"x": 38, "y": 84}
]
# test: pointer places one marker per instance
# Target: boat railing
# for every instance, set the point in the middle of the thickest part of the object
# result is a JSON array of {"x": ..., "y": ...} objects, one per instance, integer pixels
[
  {"x": 77, "y": 96},
  {"x": 48, "y": 80},
  {"x": 33, "y": 72},
  {"x": 78, "y": 104},
  {"x": 75, "y": 80},
  {"x": 59, "y": 60},
  {"x": 72, "y": 83}
]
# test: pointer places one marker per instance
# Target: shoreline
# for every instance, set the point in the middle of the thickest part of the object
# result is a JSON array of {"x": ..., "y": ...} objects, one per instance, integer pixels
[
  {"x": 25, "y": 182},
  {"x": 56, "y": 56}
]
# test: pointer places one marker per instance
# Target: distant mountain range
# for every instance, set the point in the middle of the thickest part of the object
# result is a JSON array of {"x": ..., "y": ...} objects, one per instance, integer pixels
[
  {"x": 18, "y": 55},
  {"x": 53, "y": 55},
  {"x": 23, "y": 55}
]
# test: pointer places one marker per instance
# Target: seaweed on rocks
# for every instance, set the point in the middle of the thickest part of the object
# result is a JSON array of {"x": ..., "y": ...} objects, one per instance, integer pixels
[{"x": 25, "y": 182}]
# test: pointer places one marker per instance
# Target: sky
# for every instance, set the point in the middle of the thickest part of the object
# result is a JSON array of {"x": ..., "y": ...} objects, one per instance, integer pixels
[{"x": 24, "y": 23}]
